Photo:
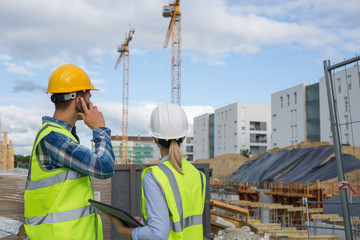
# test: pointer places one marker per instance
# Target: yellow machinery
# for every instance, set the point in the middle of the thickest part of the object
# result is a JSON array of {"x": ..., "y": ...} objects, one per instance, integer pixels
[
  {"x": 173, "y": 11},
  {"x": 123, "y": 49}
]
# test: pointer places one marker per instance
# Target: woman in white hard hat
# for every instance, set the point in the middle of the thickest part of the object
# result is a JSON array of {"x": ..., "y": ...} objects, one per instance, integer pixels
[{"x": 173, "y": 191}]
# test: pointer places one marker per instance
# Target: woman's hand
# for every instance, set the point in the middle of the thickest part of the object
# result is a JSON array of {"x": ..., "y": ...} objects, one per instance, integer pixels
[{"x": 120, "y": 227}]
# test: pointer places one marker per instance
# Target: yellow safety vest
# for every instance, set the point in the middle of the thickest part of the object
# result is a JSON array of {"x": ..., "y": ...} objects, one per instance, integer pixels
[
  {"x": 185, "y": 197},
  {"x": 56, "y": 202}
]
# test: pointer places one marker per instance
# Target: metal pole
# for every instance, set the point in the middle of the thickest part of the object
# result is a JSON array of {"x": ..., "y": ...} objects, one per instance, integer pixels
[
  {"x": 307, "y": 223},
  {"x": 337, "y": 148}
]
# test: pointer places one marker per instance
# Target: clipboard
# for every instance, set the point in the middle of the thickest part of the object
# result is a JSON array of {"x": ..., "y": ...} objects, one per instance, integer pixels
[{"x": 126, "y": 218}]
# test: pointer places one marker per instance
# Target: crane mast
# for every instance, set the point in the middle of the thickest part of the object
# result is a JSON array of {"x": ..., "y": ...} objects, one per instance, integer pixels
[
  {"x": 124, "y": 53},
  {"x": 174, "y": 30}
]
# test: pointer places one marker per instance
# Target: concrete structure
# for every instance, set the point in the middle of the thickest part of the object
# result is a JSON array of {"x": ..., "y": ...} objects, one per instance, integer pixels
[
  {"x": 242, "y": 126},
  {"x": 140, "y": 149},
  {"x": 204, "y": 136},
  {"x": 347, "y": 89}
]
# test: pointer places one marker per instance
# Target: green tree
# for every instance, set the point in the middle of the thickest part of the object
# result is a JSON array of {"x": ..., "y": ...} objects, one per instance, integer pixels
[
  {"x": 21, "y": 161},
  {"x": 245, "y": 152}
]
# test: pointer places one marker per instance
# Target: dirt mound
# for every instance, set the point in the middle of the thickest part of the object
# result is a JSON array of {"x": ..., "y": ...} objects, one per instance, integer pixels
[{"x": 224, "y": 166}]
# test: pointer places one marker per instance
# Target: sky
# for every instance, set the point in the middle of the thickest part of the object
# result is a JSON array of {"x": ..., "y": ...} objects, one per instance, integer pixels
[{"x": 232, "y": 51}]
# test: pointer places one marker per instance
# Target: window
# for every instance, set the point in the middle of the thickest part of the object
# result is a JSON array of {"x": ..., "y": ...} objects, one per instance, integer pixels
[
  {"x": 288, "y": 99},
  {"x": 295, "y": 98},
  {"x": 349, "y": 81},
  {"x": 346, "y": 122},
  {"x": 295, "y": 131},
  {"x": 291, "y": 115},
  {"x": 295, "y": 115},
  {"x": 281, "y": 101},
  {"x": 346, "y": 104},
  {"x": 339, "y": 85}
]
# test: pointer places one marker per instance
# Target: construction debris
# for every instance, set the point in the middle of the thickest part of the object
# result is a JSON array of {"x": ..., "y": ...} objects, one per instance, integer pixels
[{"x": 242, "y": 233}]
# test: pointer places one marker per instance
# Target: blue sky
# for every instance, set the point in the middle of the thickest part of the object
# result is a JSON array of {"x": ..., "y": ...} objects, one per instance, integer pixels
[{"x": 232, "y": 51}]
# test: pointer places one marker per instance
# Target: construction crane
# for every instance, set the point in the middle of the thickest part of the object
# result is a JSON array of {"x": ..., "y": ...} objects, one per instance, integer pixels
[
  {"x": 173, "y": 11},
  {"x": 123, "y": 49}
]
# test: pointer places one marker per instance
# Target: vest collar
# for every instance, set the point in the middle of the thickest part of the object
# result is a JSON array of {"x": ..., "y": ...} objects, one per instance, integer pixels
[
  {"x": 164, "y": 159},
  {"x": 62, "y": 123}
]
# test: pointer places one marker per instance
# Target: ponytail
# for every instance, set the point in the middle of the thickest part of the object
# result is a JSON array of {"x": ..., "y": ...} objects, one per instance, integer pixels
[{"x": 175, "y": 156}]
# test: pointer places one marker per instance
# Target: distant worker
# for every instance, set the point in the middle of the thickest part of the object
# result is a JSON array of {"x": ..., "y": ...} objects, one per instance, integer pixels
[
  {"x": 58, "y": 185},
  {"x": 173, "y": 191}
]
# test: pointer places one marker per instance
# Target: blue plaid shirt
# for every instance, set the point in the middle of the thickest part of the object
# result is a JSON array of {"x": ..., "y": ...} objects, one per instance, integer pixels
[{"x": 57, "y": 151}]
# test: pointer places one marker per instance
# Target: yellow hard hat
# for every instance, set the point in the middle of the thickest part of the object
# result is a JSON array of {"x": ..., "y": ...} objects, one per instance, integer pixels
[{"x": 69, "y": 78}]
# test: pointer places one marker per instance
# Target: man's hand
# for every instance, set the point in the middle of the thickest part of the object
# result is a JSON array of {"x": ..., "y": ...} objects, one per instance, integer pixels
[{"x": 92, "y": 117}]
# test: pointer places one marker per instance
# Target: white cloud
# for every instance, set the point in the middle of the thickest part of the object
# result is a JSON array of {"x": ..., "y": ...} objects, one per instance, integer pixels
[
  {"x": 83, "y": 31},
  {"x": 16, "y": 69},
  {"x": 5, "y": 57}
]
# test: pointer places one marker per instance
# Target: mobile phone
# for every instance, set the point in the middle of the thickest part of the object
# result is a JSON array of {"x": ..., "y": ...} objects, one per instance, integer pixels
[{"x": 79, "y": 106}]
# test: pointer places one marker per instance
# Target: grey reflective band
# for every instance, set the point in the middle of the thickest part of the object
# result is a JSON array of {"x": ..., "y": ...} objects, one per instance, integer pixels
[
  {"x": 186, "y": 222},
  {"x": 174, "y": 187},
  {"x": 49, "y": 181},
  {"x": 60, "y": 216}
]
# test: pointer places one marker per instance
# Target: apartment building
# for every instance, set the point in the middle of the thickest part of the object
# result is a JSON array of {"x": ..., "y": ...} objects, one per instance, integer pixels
[
  {"x": 204, "y": 136},
  {"x": 288, "y": 116},
  {"x": 347, "y": 90},
  {"x": 242, "y": 126},
  {"x": 140, "y": 149},
  {"x": 302, "y": 112}
]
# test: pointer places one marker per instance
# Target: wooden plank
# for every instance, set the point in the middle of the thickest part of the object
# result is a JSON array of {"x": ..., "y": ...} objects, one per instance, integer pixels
[
  {"x": 317, "y": 237},
  {"x": 231, "y": 208},
  {"x": 324, "y": 216}
]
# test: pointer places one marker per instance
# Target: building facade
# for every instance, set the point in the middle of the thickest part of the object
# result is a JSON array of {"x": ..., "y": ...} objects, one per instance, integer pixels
[
  {"x": 288, "y": 116},
  {"x": 140, "y": 149},
  {"x": 242, "y": 126},
  {"x": 187, "y": 146},
  {"x": 347, "y": 90},
  {"x": 204, "y": 136},
  {"x": 302, "y": 112}
]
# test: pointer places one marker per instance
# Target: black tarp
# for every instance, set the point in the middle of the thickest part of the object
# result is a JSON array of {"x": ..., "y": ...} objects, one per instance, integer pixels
[
  {"x": 294, "y": 165},
  {"x": 331, "y": 208}
]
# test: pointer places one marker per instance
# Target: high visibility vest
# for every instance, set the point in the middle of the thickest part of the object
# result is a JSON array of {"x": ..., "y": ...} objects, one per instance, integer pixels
[
  {"x": 56, "y": 202},
  {"x": 185, "y": 198}
]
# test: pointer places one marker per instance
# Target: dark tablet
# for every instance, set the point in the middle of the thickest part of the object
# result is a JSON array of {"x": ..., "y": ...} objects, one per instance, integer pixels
[{"x": 127, "y": 219}]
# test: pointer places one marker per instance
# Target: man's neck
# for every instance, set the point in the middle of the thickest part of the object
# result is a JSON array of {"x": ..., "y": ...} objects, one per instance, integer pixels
[{"x": 65, "y": 116}]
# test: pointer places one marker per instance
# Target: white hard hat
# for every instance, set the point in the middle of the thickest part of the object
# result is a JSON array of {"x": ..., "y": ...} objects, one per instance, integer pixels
[{"x": 168, "y": 121}]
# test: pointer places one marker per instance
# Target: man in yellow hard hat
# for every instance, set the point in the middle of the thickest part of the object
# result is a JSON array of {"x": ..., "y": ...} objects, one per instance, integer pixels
[{"x": 58, "y": 185}]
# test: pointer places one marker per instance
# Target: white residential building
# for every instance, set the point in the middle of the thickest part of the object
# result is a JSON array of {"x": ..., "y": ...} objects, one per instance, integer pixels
[
  {"x": 242, "y": 126},
  {"x": 187, "y": 146},
  {"x": 347, "y": 91},
  {"x": 204, "y": 136},
  {"x": 302, "y": 112},
  {"x": 288, "y": 109}
]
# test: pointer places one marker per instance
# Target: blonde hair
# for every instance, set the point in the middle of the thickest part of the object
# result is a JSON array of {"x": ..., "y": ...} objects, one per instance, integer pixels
[{"x": 175, "y": 156}]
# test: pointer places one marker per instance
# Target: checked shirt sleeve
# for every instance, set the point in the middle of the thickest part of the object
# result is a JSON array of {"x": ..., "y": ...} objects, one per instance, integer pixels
[{"x": 65, "y": 152}]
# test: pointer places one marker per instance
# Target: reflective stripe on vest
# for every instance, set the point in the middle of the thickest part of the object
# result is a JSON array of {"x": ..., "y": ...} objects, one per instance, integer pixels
[
  {"x": 58, "y": 178},
  {"x": 189, "y": 221},
  {"x": 60, "y": 216}
]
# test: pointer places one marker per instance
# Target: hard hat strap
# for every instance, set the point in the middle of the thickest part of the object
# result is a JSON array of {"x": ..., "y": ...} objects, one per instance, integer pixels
[
  {"x": 166, "y": 143},
  {"x": 63, "y": 97}
]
